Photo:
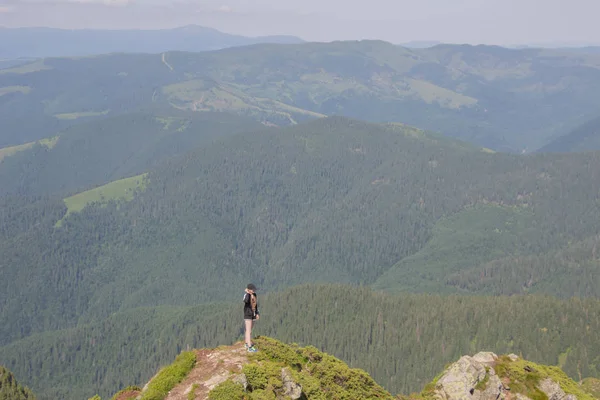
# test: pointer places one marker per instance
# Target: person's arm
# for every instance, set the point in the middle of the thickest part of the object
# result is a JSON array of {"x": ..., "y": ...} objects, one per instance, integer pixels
[{"x": 247, "y": 298}]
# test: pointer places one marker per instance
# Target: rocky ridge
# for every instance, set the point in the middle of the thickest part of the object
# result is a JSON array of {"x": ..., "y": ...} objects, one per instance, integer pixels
[
  {"x": 487, "y": 376},
  {"x": 282, "y": 371}
]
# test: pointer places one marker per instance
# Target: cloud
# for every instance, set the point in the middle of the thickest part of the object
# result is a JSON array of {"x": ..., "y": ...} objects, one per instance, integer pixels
[{"x": 225, "y": 9}]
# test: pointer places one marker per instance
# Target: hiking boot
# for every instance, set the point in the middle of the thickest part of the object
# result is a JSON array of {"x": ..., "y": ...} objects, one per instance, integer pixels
[{"x": 252, "y": 349}]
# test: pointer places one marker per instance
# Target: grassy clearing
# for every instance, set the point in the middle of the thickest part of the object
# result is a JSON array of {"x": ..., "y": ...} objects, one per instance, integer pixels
[
  {"x": 27, "y": 68},
  {"x": 83, "y": 114},
  {"x": 123, "y": 189},
  {"x": 9, "y": 151},
  {"x": 431, "y": 93},
  {"x": 198, "y": 95},
  {"x": 170, "y": 376}
]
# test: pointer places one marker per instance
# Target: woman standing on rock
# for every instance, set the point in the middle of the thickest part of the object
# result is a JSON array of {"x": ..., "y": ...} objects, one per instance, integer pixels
[{"x": 251, "y": 314}]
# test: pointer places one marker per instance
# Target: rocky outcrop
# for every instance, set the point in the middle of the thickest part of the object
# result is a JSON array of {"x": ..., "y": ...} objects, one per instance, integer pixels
[
  {"x": 554, "y": 391},
  {"x": 278, "y": 371},
  {"x": 470, "y": 378},
  {"x": 485, "y": 376},
  {"x": 290, "y": 387}
]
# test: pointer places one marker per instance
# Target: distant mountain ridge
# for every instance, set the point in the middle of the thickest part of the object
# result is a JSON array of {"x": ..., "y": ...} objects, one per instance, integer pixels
[
  {"x": 499, "y": 98},
  {"x": 52, "y": 42}
]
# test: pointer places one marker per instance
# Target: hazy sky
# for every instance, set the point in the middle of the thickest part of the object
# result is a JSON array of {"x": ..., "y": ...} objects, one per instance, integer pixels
[{"x": 464, "y": 21}]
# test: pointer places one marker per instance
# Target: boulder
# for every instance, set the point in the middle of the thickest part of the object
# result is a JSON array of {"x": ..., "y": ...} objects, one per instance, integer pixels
[
  {"x": 554, "y": 391},
  {"x": 290, "y": 387},
  {"x": 460, "y": 379},
  {"x": 242, "y": 380},
  {"x": 486, "y": 358}
]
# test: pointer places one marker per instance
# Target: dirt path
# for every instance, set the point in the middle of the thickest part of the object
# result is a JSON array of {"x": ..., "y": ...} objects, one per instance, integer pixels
[
  {"x": 164, "y": 60},
  {"x": 212, "y": 367}
]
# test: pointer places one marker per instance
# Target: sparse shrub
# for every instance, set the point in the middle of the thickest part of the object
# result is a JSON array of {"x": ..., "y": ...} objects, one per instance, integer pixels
[
  {"x": 127, "y": 389},
  {"x": 227, "y": 390}
]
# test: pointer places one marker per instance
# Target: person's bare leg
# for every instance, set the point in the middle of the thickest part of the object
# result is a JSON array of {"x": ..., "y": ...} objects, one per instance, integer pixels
[{"x": 248, "y": 336}]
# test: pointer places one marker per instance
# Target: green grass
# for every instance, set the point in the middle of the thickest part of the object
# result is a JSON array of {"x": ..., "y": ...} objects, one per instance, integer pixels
[
  {"x": 9, "y": 151},
  {"x": 123, "y": 189},
  {"x": 192, "y": 393},
  {"x": 26, "y": 68},
  {"x": 199, "y": 95},
  {"x": 168, "y": 377},
  {"x": 14, "y": 89},
  {"x": 562, "y": 358},
  {"x": 83, "y": 114},
  {"x": 430, "y": 93}
]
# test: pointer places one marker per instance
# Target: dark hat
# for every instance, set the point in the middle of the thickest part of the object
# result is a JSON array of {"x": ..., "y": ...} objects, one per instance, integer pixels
[{"x": 251, "y": 286}]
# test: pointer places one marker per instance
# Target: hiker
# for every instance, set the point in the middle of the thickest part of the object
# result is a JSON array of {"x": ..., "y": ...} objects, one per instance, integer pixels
[{"x": 251, "y": 314}]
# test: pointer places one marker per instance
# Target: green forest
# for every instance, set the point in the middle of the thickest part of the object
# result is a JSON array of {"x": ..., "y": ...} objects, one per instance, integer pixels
[
  {"x": 132, "y": 217},
  {"x": 402, "y": 341}
]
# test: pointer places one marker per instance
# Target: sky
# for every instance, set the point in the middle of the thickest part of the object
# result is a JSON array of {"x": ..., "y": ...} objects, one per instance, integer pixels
[{"x": 504, "y": 22}]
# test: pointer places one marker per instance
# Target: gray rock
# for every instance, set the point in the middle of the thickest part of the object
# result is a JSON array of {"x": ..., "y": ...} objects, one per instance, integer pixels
[
  {"x": 459, "y": 380},
  {"x": 486, "y": 358},
  {"x": 552, "y": 389},
  {"x": 494, "y": 390},
  {"x": 513, "y": 357},
  {"x": 242, "y": 380},
  {"x": 290, "y": 387}
]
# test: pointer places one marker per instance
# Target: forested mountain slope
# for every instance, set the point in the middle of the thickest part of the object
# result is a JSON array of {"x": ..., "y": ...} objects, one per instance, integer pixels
[
  {"x": 584, "y": 138},
  {"x": 401, "y": 340},
  {"x": 100, "y": 151},
  {"x": 333, "y": 200},
  {"x": 504, "y": 99}
]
